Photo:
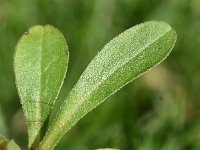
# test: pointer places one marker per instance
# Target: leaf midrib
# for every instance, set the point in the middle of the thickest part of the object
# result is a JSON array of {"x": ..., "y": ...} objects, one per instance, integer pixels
[{"x": 40, "y": 76}]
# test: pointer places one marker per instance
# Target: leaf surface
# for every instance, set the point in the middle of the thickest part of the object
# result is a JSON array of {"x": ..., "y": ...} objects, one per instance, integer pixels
[
  {"x": 123, "y": 59},
  {"x": 40, "y": 65}
]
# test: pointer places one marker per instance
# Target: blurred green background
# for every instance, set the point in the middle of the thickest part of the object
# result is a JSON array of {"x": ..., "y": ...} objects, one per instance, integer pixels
[{"x": 159, "y": 111}]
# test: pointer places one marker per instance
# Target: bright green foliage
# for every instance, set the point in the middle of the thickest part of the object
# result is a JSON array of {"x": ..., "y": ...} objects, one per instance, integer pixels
[
  {"x": 40, "y": 65},
  {"x": 123, "y": 59},
  {"x": 158, "y": 111}
]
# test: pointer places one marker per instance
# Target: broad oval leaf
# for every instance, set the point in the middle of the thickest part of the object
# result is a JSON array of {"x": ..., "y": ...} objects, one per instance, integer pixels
[
  {"x": 40, "y": 65},
  {"x": 123, "y": 59}
]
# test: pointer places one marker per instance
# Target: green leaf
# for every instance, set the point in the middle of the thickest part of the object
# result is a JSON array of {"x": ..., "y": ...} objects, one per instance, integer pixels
[
  {"x": 12, "y": 146},
  {"x": 123, "y": 59},
  {"x": 40, "y": 65},
  {"x": 5, "y": 144}
]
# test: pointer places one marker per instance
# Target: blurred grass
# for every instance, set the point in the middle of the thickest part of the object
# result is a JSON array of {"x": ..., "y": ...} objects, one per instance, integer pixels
[{"x": 159, "y": 111}]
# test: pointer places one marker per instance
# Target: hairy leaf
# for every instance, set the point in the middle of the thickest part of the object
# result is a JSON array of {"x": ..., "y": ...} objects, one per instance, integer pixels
[
  {"x": 40, "y": 65},
  {"x": 123, "y": 59}
]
